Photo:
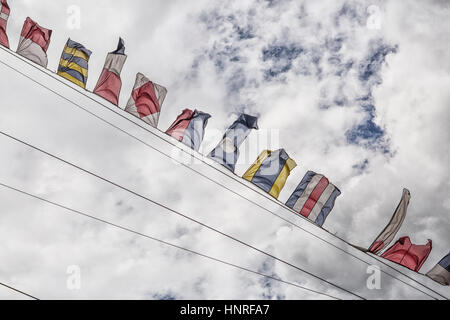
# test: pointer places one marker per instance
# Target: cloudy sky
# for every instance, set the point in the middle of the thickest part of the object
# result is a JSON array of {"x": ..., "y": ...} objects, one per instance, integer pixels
[{"x": 356, "y": 90}]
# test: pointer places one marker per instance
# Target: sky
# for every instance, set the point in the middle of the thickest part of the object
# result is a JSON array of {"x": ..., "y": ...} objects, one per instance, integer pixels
[{"x": 355, "y": 90}]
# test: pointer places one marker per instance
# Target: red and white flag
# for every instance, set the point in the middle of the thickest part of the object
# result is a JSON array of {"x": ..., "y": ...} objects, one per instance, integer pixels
[
  {"x": 109, "y": 83},
  {"x": 189, "y": 128},
  {"x": 34, "y": 42},
  {"x": 146, "y": 100},
  {"x": 4, "y": 15},
  {"x": 410, "y": 255}
]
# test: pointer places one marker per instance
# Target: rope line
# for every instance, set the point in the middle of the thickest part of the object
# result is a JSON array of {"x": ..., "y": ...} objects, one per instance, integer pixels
[
  {"x": 162, "y": 241},
  {"x": 18, "y": 291},
  {"x": 176, "y": 212}
]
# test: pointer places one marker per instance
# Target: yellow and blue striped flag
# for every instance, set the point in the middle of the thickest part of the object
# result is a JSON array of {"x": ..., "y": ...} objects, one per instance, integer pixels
[
  {"x": 73, "y": 65},
  {"x": 270, "y": 171}
]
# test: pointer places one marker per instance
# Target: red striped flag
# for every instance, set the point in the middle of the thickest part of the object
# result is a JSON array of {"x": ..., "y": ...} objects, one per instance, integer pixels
[{"x": 314, "y": 197}]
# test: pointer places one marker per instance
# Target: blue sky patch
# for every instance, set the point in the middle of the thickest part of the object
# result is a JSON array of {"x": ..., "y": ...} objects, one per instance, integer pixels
[
  {"x": 369, "y": 68},
  {"x": 280, "y": 57}
]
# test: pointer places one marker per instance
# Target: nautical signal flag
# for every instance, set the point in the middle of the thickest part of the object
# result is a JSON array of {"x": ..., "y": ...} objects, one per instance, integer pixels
[
  {"x": 227, "y": 151},
  {"x": 73, "y": 65},
  {"x": 389, "y": 232},
  {"x": 314, "y": 197},
  {"x": 34, "y": 42},
  {"x": 4, "y": 15},
  {"x": 441, "y": 272},
  {"x": 109, "y": 84},
  {"x": 270, "y": 171},
  {"x": 410, "y": 255},
  {"x": 146, "y": 100},
  {"x": 189, "y": 128}
]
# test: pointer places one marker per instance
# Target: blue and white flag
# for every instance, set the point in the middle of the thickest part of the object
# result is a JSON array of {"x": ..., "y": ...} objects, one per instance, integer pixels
[
  {"x": 441, "y": 272},
  {"x": 227, "y": 151}
]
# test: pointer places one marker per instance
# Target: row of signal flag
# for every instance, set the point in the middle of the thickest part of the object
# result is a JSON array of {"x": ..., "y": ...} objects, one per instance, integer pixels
[{"x": 313, "y": 198}]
